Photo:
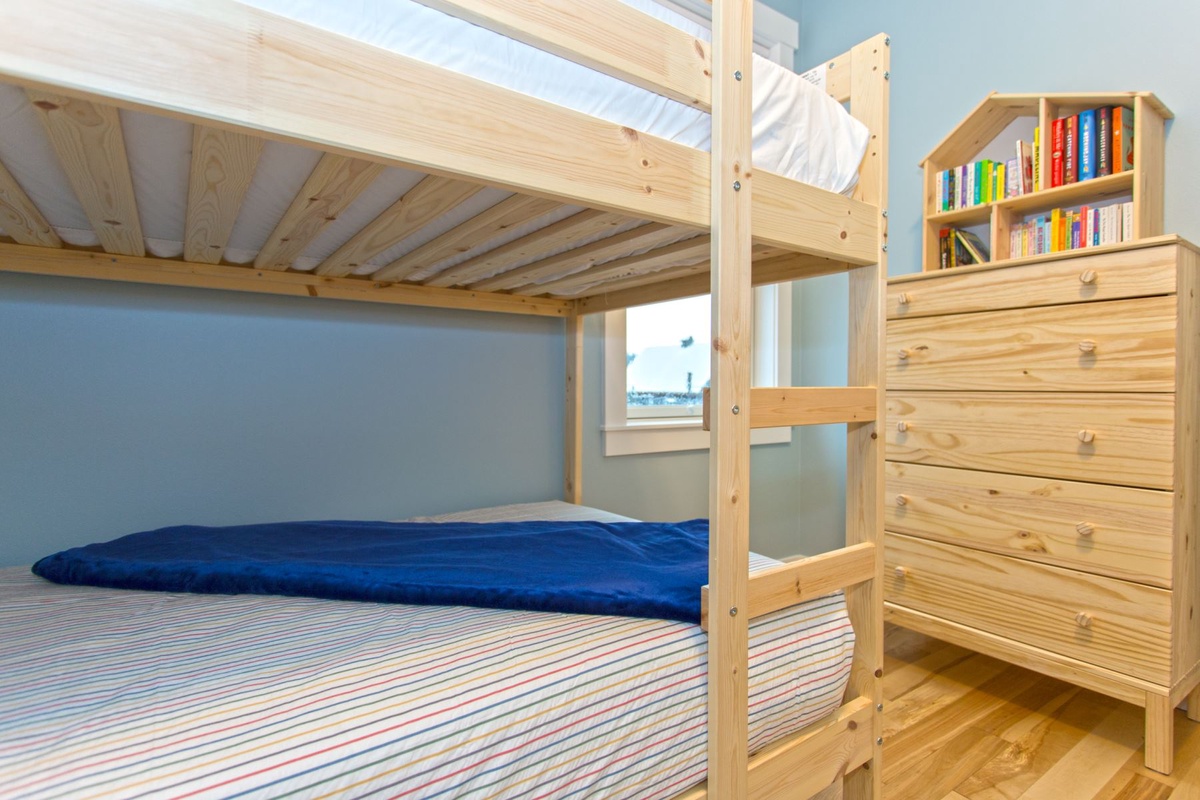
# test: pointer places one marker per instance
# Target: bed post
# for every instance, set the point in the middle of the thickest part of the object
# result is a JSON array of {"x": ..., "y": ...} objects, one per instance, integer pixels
[
  {"x": 573, "y": 413},
  {"x": 729, "y": 457},
  {"x": 864, "y": 447}
]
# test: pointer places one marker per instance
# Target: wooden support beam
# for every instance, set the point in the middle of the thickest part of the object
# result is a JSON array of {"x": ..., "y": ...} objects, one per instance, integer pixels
[
  {"x": 788, "y": 406},
  {"x": 21, "y": 219},
  {"x": 539, "y": 243},
  {"x": 505, "y": 215},
  {"x": 88, "y": 141},
  {"x": 689, "y": 251},
  {"x": 661, "y": 58},
  {"x": 573, "y": 435},
  {"x": 731, "y": 193},
  {"x": 802, "y": 764},
  {"x": 651, "y": 235},
  {"x": 332, "y": 186},
  {"x": 422, "y": 204},
  {"x": 168, "y": 272},
  {"x": 807, "y": 579},
  {"x": 223, "y": 164},
  {"x": 243, "y": 68}
]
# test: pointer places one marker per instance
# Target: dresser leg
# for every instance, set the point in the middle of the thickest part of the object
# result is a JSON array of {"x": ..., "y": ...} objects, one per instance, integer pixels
[
  {"x": 1193, "y": 701},
  {"x": 1160, "y": 739}
]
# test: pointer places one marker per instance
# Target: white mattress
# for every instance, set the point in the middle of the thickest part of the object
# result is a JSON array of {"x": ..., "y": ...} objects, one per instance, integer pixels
[
  {"x": 799, "y": 132},
  {"x": 144, "y": 694}
]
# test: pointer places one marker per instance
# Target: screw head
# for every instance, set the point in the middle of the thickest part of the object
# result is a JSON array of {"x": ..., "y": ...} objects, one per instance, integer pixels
[
  {"x": 885, "y": 248},
  {"x": 736, "y": 410},
  {"x": 887, "y": 41},
  {"x": 737, "y": 75},
  {"x": 737, "y": 186},
  {"x": 879, "y": 740},
  {"x": 887, "y": 76},
  {"x": 733, "y": 611},
  {"x": 879, "y": 707},
  {"x": 885, "y": 212}
]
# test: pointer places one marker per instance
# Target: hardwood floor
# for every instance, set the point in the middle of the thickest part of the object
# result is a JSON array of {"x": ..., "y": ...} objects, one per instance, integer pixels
[{"x": 962, "y": 726}]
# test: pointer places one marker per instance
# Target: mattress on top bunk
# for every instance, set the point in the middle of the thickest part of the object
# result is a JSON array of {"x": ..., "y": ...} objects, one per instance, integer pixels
[
  {"x": 146, "y": 694},
  {"x": 799, "y": 132}
]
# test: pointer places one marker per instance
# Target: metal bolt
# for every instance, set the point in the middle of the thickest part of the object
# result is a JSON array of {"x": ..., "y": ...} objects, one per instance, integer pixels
[
  {"x": 737, "y": 186},
  {"x": 879, "y": 740},
  {"x": 733, "y": 611},
  {"x": 879, "y": 707},
  {"x": 737, "y": 410},
  {"x": 885, "y": 248},
  {"x": 887, "y": 41},
  {"x": 887, "y": 76},
  {"x": 737, "y": 75},
  {"x": 885, "y": 213}
]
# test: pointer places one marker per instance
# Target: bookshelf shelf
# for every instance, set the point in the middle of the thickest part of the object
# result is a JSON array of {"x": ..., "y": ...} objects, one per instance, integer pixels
[{"x": 987, "y": 122}]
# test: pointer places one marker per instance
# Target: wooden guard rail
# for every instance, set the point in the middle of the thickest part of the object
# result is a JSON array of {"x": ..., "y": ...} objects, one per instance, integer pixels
[
  {"x": 785, "y": 406},
  {"x": 794, "y": 582}
]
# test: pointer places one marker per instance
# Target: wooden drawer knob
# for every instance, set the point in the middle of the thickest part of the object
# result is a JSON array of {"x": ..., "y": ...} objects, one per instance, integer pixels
[
  {"x": 904, "y": 298},
  {"x": 1083, "y": 619},
  {"x": 1085, "y": 529},
  {"x": 901, "y": 572},
  {"x": 1086, "y": 436},
  {"x": 1088, "y": 276},
  {"x": 903, "y": 354},
  {"x": 901, "y": 499},
  {"x": 902, "y": 426},
  {"x": 1087, "y": 346}
]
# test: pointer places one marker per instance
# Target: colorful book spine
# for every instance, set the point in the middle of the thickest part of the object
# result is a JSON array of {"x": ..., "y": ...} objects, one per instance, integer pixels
[
  {"x": 1087, "y": 144},
  {"x": 1071, "y": 150},
  {"x": 1056, "y": 152},
  {"x": 1104, "y": 165},
  {"x": 1012, "y": 177},
  {"x": 1036, "y": 178},
  {"x": 1122, "y": 136}
]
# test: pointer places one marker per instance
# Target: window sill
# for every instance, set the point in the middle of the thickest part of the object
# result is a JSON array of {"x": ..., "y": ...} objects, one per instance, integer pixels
[{"x": 661, "y": 436}]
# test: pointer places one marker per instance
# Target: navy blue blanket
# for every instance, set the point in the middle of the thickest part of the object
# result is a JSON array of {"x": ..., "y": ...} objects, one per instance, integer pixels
[{"x": 633, "y": 569}]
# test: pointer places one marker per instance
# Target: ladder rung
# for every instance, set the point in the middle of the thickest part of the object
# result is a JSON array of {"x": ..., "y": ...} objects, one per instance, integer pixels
[{"x": 785, "y": 406}]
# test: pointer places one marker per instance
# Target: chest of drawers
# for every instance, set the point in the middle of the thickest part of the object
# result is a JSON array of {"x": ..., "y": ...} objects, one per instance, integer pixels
[{"x": 1043, "y": 468}]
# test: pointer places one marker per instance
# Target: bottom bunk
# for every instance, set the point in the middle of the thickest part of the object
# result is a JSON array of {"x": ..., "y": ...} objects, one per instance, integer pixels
[{"x": 148, "y": 694}]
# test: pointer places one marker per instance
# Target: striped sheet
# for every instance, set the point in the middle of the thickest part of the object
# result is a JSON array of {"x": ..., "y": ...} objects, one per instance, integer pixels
[{"x": 107, "y": 693}]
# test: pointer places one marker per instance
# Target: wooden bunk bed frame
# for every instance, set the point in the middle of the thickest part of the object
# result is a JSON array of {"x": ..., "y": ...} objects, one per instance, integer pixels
[{"x": 243, "y": 76}]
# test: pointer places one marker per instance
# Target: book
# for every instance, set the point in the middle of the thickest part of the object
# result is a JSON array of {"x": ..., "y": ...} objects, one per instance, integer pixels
[
  {"x": 1122, "y": 139},
  {"x": 1012, "y": 177},
  {"x": 1036, "y": 178},
  {"x": 944, "y": 248},
  {"x": 973, "y": 248},
  {"x": 951, "y": 189},
  {"x": 1127, "y": 222},
  {"x": 1024, "y": 167},
  {"x": 1071, "y": 149},
  {"x": 1087, "y": 144},
  {"x": 1104, "y": 165},
  {"x": 1056, "y": 152}
]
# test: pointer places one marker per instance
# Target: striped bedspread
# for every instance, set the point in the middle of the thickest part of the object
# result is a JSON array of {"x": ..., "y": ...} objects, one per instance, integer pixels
[{"x": 110, "y": 693}]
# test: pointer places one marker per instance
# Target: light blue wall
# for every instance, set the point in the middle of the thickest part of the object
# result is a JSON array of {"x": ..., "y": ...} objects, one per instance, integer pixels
[
  {"x": 946, "y": 56},
  {"x": 125, "y": 407}
]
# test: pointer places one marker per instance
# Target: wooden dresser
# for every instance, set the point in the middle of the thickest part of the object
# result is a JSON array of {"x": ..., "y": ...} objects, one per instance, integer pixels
[{"x": 1043, "y": 449}]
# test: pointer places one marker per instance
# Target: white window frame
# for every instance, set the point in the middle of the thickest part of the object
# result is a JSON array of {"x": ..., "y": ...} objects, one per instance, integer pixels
[{"x": 772, "y": 367}]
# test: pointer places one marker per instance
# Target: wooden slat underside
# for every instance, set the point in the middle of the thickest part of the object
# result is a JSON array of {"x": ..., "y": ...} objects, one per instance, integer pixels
[
  {"x": 88, "y": 141},
  {"x": 20, "y": 217},
  {"x": 808, "y": 578},
  {"x": 240, "y": 67},
  {"x": 223, "y": 165}
]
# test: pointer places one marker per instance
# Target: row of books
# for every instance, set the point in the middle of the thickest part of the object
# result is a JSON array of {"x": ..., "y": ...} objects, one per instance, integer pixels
[
  {"x": 1090, "y": 144},
  {"x": 986, "y": 181},
  {"x": 1072, "y": 229},
  {"x": 960, "y": 248}
]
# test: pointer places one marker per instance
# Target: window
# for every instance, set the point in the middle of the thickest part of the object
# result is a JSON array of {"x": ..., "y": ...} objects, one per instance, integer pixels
[{"x": 656, "y": 365}]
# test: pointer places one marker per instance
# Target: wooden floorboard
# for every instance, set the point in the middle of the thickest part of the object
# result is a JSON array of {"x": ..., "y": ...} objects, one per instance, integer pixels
[{"x": 962, "y": 726}]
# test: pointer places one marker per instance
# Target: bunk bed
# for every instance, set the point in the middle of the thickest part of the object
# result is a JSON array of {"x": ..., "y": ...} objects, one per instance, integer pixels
[{"x": 592, "y": 214}]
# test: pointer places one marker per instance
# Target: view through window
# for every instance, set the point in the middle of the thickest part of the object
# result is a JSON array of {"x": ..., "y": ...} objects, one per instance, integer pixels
[{"x": 667, "y": 357}]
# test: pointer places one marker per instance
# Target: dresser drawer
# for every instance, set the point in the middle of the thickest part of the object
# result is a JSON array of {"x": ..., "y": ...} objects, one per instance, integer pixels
[
  {"x": 1114, "y": 624},
  {"x": 1107, "y": 530},
  {"x": 1129, "y": 437},
  {"x": 1139, "y": 272},
  {"x": 1123, "y": 345}
]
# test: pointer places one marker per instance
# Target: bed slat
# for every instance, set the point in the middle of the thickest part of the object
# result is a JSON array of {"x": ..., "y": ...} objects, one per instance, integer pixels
[
  {"x": 223, "y": 164},
  {"x": 88, "y": 141},
  {"x": 651, "y": 235},
  {"x": 689, "y": 251},
  {"x": 508, "y": 213},
  {"x": 539, "y": 243},
  {"x": 333, "y": 185},
  {"x": 425, "y": 202},
  {"x": 595, "y": 33},
  {"x": 22, "y": 219}
]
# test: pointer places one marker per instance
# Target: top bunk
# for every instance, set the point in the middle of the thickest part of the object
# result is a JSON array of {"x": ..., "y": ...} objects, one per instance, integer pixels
[{"x": 478, "y": 154}]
